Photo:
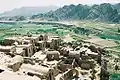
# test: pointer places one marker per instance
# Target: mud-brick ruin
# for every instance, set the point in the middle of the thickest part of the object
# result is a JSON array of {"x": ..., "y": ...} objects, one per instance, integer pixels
[{"x": 42, "y": 57}]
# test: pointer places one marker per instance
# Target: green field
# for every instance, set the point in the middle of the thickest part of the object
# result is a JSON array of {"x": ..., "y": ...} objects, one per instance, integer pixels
[
  {"x": 84, "y": 29},
  {"x": 7, "y": 30}
]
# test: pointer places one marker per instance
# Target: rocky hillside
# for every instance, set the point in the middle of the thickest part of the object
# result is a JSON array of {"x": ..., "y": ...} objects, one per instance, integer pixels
[{"x": 102, "y": 12}]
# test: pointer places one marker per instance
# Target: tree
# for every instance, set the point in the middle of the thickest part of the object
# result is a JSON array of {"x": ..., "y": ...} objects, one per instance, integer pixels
[{"x": 20, "y": 18}]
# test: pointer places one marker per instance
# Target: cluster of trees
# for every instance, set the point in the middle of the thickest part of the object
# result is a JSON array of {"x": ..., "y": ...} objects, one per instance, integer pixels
[
  {"x": 103, "y": 12},
  {"x": 15, "y": 18}
]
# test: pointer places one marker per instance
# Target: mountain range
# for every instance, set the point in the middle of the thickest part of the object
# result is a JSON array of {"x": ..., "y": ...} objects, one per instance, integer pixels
[
  {"x": 28, "y": 11},
  {"x": 102, "y": 12}
]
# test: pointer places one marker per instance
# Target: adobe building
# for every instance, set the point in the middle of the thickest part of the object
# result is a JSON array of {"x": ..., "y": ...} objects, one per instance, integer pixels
[
  {"x": 39, "y": 71},
  {"x": 28, "y": 49},
  {"x": 65, "y": 50},
  {"x": 66, "y": 65},
  {"x": 24, "y": 41},
  {"x": 52, "y": 55},
  {"x": 15, "y": 63},
  {"x": 45, "y": 37},
  {"x": 33, "y": 39},
  {"x": 39, "y": 56},
  {"x": 86, "y": 64},
  {"x": 20, "y": 51},
  {"x": 21, "y": 40},
  {"x": 55, "y": 42},
  {"x": 68, "y": 75},
  {"x": 11, "y": 40},
  {"x": 48, "y": 44},
  {"x": 8, "y": 49},
  {"x": 41, "y": 45},
  {"x": 41, "y": 38},
  {"x": 74, "y": 54}
]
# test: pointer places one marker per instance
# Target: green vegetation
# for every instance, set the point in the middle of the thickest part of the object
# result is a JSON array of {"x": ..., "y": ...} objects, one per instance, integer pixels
[
  {"x": 84, "y": 29},
  {"x": 114, "y": 77},
  {"x": 100, "y": 29},
  {"x": 7, "y": 30}
]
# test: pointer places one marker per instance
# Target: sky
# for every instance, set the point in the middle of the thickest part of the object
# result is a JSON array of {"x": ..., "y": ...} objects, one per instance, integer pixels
[{"x": 6, "y": 5}]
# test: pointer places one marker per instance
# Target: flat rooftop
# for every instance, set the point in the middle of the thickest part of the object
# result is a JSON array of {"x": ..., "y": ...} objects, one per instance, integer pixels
[
  {"x": 24, "y": 45},
  {"x": 6, "y": 47}
]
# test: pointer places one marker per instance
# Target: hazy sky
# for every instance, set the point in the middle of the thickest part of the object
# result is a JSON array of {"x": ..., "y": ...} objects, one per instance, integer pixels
[{"x": 6, "y": 5}]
